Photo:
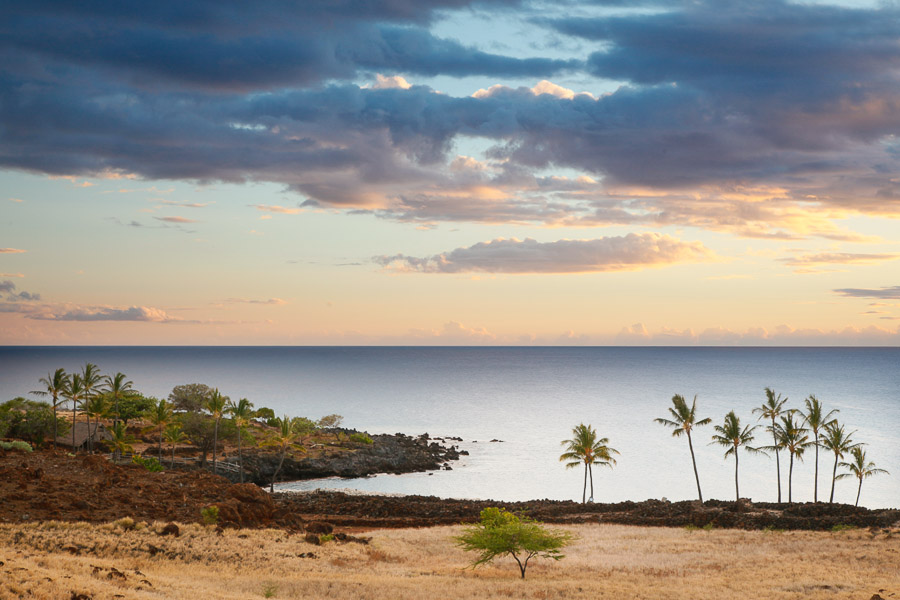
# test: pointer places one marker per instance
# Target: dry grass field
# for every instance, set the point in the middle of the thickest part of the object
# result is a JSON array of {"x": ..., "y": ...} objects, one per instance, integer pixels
[{"x": 62, "y": 560}]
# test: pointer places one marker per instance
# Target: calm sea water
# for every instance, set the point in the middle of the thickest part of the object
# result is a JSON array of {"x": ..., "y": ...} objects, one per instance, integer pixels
[{"x": 531, "y": 398}]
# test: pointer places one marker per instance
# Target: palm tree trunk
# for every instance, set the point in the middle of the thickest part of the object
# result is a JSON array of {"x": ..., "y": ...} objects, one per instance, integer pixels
[
  {"x": 275, "y": 474},
  {"x": 858, "y": 491},
  {"x": 737, "y": 490},
  {"x": 172, "y": 465},
  {"x": 777, "y": 461},
  {"x": 584, "y": 487},
  {"x": 833, "y": 479},
  {"x": 790, "y": 477},
  {"x": 240, "y": 455},
  {"x": 215, "y": 445},
  {"x": 74, "y": 407},
  {"x": 591, "y": 473},
  {"x": 159, "y": 453},
  {"x": 816, "y": 485},
  {"x": 54, "y": 421},
  {"x": 694, "y": 462}
]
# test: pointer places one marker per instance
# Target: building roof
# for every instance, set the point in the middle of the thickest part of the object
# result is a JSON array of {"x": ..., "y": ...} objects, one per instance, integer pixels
[{"x": 82, "y": 433}]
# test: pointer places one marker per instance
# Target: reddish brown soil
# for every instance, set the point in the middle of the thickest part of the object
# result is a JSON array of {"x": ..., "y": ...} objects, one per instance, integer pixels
[{"x": 53, "y": 485}]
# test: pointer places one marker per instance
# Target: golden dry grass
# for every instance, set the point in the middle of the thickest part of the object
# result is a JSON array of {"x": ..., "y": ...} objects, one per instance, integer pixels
[{"x": 607, "y": 561}]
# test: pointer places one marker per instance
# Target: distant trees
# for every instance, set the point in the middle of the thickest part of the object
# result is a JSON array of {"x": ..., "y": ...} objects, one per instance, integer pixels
[
  {"x": 73, "y": 393},
  {"x": 816, "y": 417},
  {"x": 54, "y": 386},
  {"x": 839, "y": 442},
  {"x": 190, "y": 397},
  {"x": 174, "y": 436},
  {"x": 215, "y": 404},
  {"x": 771, "y": 409},
  {"x": 791, "y": 436},
  {"x": 117, "y": 387},
  {"x": 860, "y": 467},
  {"x": 30, "y": 420},
  {"x": 241, "y": 412},
  {"x": 733, "y": 437},
  {"x": 501, "y": 533},
  {"x": 285, "y": 438},
  {"x": 586, "y": 448},
  {"x": 683, "y": 421},
  {"x": 160, "y": 415}
]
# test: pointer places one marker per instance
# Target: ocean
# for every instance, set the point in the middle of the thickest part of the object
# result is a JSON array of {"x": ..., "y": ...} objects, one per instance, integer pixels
[{"x": 530, "y": 398}]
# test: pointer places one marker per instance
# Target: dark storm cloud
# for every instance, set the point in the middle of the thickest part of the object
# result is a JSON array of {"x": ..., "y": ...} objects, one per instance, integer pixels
[
  {"x": 719, "y": 96},
  {"x": 243, "y": 46}
]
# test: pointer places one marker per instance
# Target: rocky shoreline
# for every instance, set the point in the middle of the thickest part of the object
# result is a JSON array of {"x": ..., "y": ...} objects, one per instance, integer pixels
[{"x": 388, "y": 453}]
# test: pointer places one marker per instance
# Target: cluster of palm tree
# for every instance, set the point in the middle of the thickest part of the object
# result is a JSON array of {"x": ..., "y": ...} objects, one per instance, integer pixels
[
  {"x": 793, "y": 430},
  {"x": 95, "y": 395},
  {"x": 586, "y": 448}
]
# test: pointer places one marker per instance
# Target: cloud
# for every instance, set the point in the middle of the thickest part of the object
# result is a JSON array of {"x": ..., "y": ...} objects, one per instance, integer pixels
[
  {"x": 11, "y": 251},
  {"x": 630, "y": 252},
  {"x": 270, "y": 301},
  {"x": 17, "y": 200},
  {"x": 182, "y": 204},
  {"x": 838, "y": 258},
  {"x": 11, "y": 275},
  {"x": 9, "y": 288},
  {"x": 176, "y": 219},
  {"x": 105, "y": 313},
  {"x": 889, "y": 293},
  {"x": 277, "y": 209}
]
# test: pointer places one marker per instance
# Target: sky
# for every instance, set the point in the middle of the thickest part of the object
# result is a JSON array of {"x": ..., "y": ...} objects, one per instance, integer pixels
[{"x": 495, "y": 172}]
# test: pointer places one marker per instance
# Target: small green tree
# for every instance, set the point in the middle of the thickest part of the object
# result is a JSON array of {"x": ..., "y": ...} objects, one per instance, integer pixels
[{"x": 501, "y": 533}]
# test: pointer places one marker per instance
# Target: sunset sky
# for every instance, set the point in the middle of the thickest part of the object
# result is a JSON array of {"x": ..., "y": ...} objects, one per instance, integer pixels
[{"x": 450, "y": 172}]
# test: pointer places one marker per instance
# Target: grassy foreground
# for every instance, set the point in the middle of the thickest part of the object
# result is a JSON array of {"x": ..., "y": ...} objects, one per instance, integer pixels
[{"x": 62, "y": 560}]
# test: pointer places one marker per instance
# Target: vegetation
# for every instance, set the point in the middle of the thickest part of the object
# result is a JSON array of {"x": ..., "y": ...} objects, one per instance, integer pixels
[
  {"x": 683, "y": 421},
  {"x": 793, "y": 437},
  {"x": 121, "y": 440},
  {"x": 360, "y": 438},
  {"x": 16, "y": 445},
  {"x": 117, "y": 387},
  {"x": 585, "y": 448},
  {"x": 284, "y": 439},
  {"x": 839, "y": 443},
  {"x": 174, "y": 436},
  {"x": 215, "y": 404},
  {"x": 210, "y": 515},
  {"x": 241, "y": 413},
  {"x": 860, "y": 467},
  {"x": 817, "y": 419},
  {"x": 500, "y": 533},
  {"x": 54, "y": 386},
  {"x": 734, "y": 438},
  {"x": 771, "y": 409},
  {"x": 329, "y": 421},
  {"x": 149, "y": 463},
  {"x": 190, "y": 397},
  {"x": 29, "y": 420},
  {"x": 74, "y": 392},
  {"x": 160, "y": 415}
]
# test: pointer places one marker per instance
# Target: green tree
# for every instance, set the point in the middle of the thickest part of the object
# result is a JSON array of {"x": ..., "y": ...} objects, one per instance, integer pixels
[
  {"x": 792, "y": 436},
  {"x": 96, "y": 407},
  {"x": 733, "y": 438},
  {"x": 501, "y": 533},
  {"x": 860, "y": 467},
  {"x": 54, "y": 386},
  {"x": 839, "y": 442},
  {"x": 771, "y": 409},
  {"x": 135, "y": 406},
  {"x": 29, "y": 420},
  {"x": 683, "y": 421},
  {"x": 160, "y": 415},
  {"x": 330, "y": 421},
  {"x": 285, "y": 438},
  {"x": 241, "y": 412},
  {"x": 121, "y": 440},
  {"x": 215, "y": 404},
  {"x": 190, "y": 397},
  {"x": 200, "y": 429},
  {"x": 585, "y": 448},
  {"x": 816, "y": 417},
  {"x": 174, "y": 435},
  {"x": 117, "y": 387},
  {"x": 74, "y": 392},
  {"x": 90, "y": 379}
]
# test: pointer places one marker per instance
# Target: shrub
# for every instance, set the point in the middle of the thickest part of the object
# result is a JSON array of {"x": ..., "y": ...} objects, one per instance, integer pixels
[
  {"x": 269, "y": 590},
  {"x": 843, "y": 527},
  {"x": 501, "y": 533},
  {"x": 126, "y": 523},
  {"x": 326, "y": 537},
  {"x": 17, "y": 445},
  {"x": 360, "y": 438},
  {"x": 210, "y": 514},
  {"x": 149, "y": 463}
]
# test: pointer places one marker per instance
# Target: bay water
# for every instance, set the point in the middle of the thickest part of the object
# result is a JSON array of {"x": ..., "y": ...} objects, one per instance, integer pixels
[{"x": 531, "y": 398}]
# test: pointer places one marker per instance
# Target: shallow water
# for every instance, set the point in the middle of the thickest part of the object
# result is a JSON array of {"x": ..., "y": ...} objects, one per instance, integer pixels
[{"x": 531, "y": 398}]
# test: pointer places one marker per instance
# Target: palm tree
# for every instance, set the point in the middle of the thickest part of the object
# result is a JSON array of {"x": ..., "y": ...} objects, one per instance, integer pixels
[
  {"x": 284, "y": 439},
  {"x": 74, "y": 392},
  {"x": 174, "y": 435},
  {"x": 683, "y": 421},
  {"x": 215, "y": 404},
  {"x": 859, "y": 468},
  {"x": 584, "y": 447},
  {"x": 773, "y": 408},
  {"x": 838, "y": 442},
  {"x": 733, "y": 437},
  {"x": 54, "y": 385},
  {"x": 160, "y": 416},
  {"x": 117, "y": 388},
  {"x": 95, "y": 407},
  {"x": 91, "y": 378},
  {"x": 816, "y": 417},
  {"x": 121, "y": 441},
  {"x": 793, "y": 436},
  {"x": 241, "y": 413}
]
